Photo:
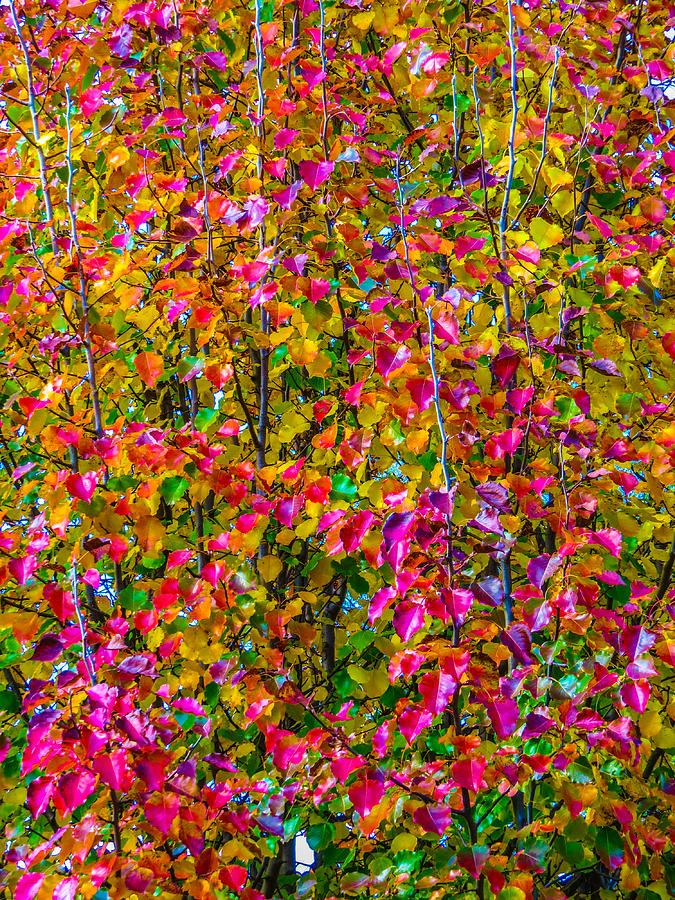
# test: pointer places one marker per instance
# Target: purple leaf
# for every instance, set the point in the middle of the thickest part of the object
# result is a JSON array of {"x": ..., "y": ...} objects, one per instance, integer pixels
[
  {"x": 542, "y": 567},
  {"x": 49, "y": 648},
  {"x": 120, "y": 42},
  {"x": 606, "y": 366},
  {"x": 519, "y": 641},
  {"x": 504, "y": 716},
  {"x": 494, "y": 494}
]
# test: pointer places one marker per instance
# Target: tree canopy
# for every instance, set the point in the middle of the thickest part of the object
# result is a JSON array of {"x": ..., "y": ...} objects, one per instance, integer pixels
[{"x": 337, "y": 432}]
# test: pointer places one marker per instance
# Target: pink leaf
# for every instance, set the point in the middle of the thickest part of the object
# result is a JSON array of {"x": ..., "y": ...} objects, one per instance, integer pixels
[
  {"x": 284, "y": 137},
  {"x": 504, "y": 716},
  {"x": 636, "y": 695},
  {"x": 28, "y": 886},
  {"x": 113, "y": 769},
  {"x": 66, "y": 889},
  {"x": 435, "y": 819},
  {"x": 412, "y": 721},
  {"x": 506, "y": 443},
  {"x": 464, "y": 245},
  {"x": 610, "y": 539},
  {"x": 82, "y": 487},
  {"x": 636, "y": 640},
  {"x": 315, "y": 174},
  {"x": 436, "y": 688},
  {"x": 216, "y": 59},
  {"x": 161, "y": 810},
  {"x": 21, "y": 568},
  {"x": 366, "y": 793},
  {"x": 396, "y": 528},
  {"x": 39, "y": 794},
  {"x": 458, "y": 602},
  {"x": 75, "y": 787},
  {"x": 389, "y": 361},
  {"x": 408, "y": 618}
]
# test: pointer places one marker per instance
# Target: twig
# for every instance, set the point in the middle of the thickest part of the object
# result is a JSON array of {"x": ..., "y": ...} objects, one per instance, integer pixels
[
  {"x": 503, "y": 221},
  {"x": 91, "y": 671},
  {"x": 98, "y": 422},
  {"x": 49, "y": 216},
  {"x": 547, "y": 121}
]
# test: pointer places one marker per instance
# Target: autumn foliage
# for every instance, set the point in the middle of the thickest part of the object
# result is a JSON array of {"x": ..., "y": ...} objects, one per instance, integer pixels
[{"x": 337, "y": 438}]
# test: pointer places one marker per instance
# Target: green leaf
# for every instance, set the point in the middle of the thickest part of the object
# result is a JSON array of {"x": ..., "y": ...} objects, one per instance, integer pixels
[
  {"x": 173, "y": 488},
  {"x": 319, "y": 836}
]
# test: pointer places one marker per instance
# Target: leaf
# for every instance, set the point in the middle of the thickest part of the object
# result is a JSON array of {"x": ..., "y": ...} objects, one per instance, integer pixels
[
  {"x": 396, "y": 528},
  {"x": 468, "y": 773},
  {"x": 436, "y": 688},
  {"x": 161, "y": 810},
  {"x": 504, "y": 716},
  {"x": 315, "y": 174},
  {"x": 150, "y": 367},
  {"x": 610, "y": 847},
  {"x": 366, "y": 793},
  {"x": 546, "y": 234},
  {"x": 436, "y": 819},
  {"x": 28, "y": 885}
]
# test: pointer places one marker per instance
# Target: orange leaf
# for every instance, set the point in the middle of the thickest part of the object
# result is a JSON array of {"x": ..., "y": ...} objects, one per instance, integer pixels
[{"x": 150, "y": 367}]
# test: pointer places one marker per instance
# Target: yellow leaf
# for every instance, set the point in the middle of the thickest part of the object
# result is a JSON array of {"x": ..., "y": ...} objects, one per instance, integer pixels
[
  {"x": 665, "y": 739},
  {"x": 269, "y": 567},
  {"x": 404, "y": 841},
  {"x": 546, "y": 234},
  {"x": 303, "y": 352},
  {"x": 650, "y": 724},
  {"x": 362, "y": 20}
]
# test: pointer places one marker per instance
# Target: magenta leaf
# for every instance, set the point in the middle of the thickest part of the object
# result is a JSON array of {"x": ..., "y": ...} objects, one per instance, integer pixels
[
  {"x": 468, "y": 773},
  {"x": 412, "y": 721}
]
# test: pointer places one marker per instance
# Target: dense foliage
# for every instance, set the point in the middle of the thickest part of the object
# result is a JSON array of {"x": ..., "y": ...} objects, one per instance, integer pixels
[{"x": 337, "y": 438}]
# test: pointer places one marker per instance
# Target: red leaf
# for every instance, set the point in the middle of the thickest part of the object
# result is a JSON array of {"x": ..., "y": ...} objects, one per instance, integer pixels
[
  {"x": 59, "y": 600},
  {"x": 233, "y": 877},
  {"x": 468, "y": 773},
  {"x": 473, "y": 860}
]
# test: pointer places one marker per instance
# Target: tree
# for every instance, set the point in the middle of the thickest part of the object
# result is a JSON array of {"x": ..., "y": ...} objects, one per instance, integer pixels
[{"x": 337, "y": 447}]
